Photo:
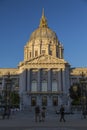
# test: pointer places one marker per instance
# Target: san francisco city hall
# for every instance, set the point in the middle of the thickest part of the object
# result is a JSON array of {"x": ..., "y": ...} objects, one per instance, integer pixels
[{"x": 44, "y": 76}]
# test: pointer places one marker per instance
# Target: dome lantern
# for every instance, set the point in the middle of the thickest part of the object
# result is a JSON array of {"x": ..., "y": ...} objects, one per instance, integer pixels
[{"x": 43, "y": 21}]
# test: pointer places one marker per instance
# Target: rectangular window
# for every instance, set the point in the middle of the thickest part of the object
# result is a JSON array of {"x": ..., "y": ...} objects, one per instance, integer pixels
[
  {"x": 36, "y": 53},
  {"x": 55, "y": 101},
  {"x": 57, "y": 54},
  {"x": 30, "y": 54},
  {"x": 43, "y": 51},
  {"x": 44, "y": 101},
  {"x": 33, "y": 101}
]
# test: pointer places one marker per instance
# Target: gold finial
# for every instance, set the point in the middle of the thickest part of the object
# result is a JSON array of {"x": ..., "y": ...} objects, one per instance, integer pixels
[
  {"x": 43, "y": 21},
  {"x": 43, "y": 12}
]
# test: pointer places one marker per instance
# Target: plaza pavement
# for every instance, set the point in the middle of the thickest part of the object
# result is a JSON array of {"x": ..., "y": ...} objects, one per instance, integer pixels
[{"x": 24, "y": 120}]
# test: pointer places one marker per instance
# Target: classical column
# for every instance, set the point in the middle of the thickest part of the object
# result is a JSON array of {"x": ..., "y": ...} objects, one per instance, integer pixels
[
  {"x": 62, "y": 52},
  {"x": 25, "y": 78},
  {"x": 59, "y": 51},
  {"x": 28, "y": 80},
  {"x": 67, "y": 79},
  {"x": 59, "y": 80},
  {"x": 32, "y": 51},
  {"x": 23, "y": 87},
  {"x": 49, "y": 80},
  {"x": 39, "y": 49},
  {"x": 22, "y": 81},
  {"x": 63, "y": 79},
  {"x": 54, "y": 50},
  {"x": 39, "y": 83}
]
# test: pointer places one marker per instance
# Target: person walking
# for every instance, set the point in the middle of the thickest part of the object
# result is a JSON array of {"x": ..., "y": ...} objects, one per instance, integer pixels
[
  {"x": 62, "y": 113},
  {"x": 43, "y": 114},
  {"x": 37, "y": 113}
]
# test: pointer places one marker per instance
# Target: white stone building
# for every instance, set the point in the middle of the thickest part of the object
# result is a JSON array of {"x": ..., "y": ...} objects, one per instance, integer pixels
[{"x": 44, "y": 74}]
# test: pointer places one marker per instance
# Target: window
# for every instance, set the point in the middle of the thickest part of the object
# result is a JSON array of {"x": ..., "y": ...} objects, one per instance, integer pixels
[
  {"x": 44, "y": 86},
  {"x": 43, "y": 51},
  {"x": 34, "y": 86},
  {"x": 44, "y": 101},
  {"x": 36, "y": 53},
  {"x": 57, "y": 54},
  {"x": 33, "y": 101},
  {"x": 55, "y": 101},
  {"x": 44, "y": 74},
  {"x": 54, "y": 86},
  {"x": 30, "y": 54},
  {"x": 50, "y": 52},
  {"x": 34, "y": 74}
]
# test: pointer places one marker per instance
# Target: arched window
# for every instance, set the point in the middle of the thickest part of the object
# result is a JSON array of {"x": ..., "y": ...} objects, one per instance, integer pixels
[
  {"x": 34, "y": 86},
  {"x": 54, "y": 86},
  {"x": 44, "y": 86},
  {"x": 50, "y": 52}
]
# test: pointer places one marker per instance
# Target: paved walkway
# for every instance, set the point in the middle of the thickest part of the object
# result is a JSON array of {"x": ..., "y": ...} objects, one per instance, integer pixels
[{"x": 25, "y": 121}]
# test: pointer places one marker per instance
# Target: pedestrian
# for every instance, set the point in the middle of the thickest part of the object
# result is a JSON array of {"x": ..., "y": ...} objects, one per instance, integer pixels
[
  {"x": 84, "y": 114},
  {"x": 62, "y": 113},
  {"x": 37, "y": 113},
  {"x": 43, "y": 114}
]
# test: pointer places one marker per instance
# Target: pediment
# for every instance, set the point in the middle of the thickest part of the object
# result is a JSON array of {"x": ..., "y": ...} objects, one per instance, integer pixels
[{"x": 45, "y": 59}]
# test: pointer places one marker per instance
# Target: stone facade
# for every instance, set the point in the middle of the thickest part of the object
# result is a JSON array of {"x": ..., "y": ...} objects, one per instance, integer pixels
[{"x": 44, "y": 74}]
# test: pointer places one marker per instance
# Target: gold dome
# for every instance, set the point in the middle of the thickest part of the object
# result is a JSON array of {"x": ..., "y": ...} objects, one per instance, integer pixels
[{"x": 43, "y": 31}]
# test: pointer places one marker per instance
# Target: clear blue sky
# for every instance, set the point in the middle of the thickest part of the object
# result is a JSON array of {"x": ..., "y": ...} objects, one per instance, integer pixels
[{"x": 19, "y": 18}]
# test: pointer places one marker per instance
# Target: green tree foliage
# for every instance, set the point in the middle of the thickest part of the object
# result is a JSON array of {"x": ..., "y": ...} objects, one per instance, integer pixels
[
  {"x": 75, "y": 94},
  {"x": 15, "y": 99}
]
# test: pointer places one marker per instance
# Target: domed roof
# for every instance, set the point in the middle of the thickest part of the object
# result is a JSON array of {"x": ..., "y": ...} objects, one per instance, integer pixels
[{"x": 43, "y": 31}]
